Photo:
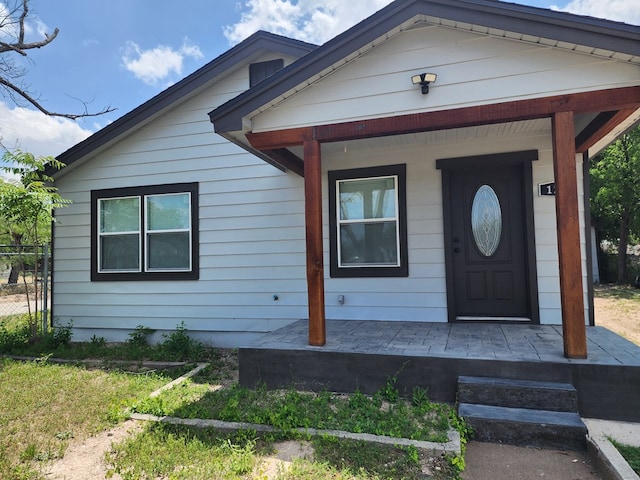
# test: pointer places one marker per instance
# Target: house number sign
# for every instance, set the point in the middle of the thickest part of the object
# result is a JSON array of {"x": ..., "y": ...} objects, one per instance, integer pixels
[{"x": 547, "y": 189}]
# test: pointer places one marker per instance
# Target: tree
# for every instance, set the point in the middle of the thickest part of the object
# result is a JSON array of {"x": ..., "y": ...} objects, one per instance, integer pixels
[
  {"x": 615, "y": 194},
  {"x": 26, "y": 210},
  {"x": 13, "y": 28}
]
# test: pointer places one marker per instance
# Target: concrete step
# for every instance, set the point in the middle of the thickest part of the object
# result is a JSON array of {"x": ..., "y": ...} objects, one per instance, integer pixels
[
  {"x": 504, "y": 392},
  {"x": 525, "y": 426}
]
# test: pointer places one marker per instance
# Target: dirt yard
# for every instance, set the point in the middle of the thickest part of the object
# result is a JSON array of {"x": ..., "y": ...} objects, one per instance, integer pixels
[{"x": 618, "y": 310}]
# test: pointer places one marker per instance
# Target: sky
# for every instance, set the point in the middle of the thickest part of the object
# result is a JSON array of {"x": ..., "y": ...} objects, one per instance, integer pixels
[{"x": 120, "y": 53}]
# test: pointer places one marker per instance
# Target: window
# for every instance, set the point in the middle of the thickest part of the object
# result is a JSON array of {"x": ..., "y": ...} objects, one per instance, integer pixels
[
  {"x": 367, "y": 221},
  {"x": 145, "y": 233}
]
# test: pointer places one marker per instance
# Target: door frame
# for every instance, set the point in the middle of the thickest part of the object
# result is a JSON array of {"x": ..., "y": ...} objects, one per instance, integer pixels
[{"x": 524, "y": 158}]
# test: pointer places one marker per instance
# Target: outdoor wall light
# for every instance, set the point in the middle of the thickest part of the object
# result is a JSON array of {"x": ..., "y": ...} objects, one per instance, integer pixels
[{"x": 424, "y": 79}]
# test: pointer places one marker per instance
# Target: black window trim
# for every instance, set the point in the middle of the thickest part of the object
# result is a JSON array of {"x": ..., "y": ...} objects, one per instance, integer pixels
[
  {"x": 402, "y": 270},
  {"x": 143, "y": 191}
]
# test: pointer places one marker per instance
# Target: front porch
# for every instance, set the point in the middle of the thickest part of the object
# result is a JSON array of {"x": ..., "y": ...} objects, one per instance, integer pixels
[{"x": 364, "y": 354}]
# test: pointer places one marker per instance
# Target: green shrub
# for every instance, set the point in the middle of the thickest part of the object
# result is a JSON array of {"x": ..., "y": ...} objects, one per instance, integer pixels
[
  {"x": 140, "y": 336},
  {"x": 178, "y": 345}
]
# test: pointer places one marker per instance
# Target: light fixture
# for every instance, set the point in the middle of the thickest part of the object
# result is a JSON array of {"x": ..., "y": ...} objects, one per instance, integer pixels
[{"x": 424, "y": 79}]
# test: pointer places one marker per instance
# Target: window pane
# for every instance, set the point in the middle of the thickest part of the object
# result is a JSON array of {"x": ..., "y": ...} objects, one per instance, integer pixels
[
  {"x": 168, "y": 212},
  {"x": 486, "y": 220},
  {"x": 368, "y": 244},
  {"x": 367, "y": 198},
  {"x": 119, "y": 215},
  {"x": 120, "y": 252},
  {"x": 168, "y": 251}
]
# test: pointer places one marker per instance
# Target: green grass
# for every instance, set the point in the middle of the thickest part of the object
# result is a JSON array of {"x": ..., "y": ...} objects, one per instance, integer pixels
[
  {"x": 181, "y": 452},
  {"x": 618, "y": 292},
  {"x": 43, "y": 406},
  {"x": 289, "y": 409},
  {"x": 630, "y": 454}
]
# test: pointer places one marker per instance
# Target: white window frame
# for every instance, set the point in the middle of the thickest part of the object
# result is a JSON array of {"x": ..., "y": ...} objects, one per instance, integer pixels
[
  {"x": 114, "y": 234},
  {"x": 368, "y": 221},
  {"x": 352, "y": 270},
  {"x": 148, "y": 232}
]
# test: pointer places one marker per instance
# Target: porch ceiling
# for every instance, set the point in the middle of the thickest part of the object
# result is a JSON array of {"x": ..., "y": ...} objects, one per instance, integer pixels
[{"x": 527, "y": 127}]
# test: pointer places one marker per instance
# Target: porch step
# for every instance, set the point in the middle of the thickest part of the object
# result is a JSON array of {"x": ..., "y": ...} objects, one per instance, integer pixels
[
  {"x": 525, "y": 427},
  {"x": 522, "y": 412},
  {"x": 505, "y": 392}
]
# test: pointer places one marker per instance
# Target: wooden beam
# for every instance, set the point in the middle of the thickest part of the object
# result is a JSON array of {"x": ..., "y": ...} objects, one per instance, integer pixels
[
  {"x": 603, "y": 100},
  {"x": 287, "y": 159},
  {"x": 276, "y": 139},
  {"x": 600, "y": 127},
  {"x": 568, "y": 231},
  {"x": 481, "y": 115},
  {"x": 313, "y": 223}
]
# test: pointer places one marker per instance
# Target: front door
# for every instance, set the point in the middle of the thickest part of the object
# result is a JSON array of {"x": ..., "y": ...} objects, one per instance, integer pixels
[{"x": 488, "y": 259}]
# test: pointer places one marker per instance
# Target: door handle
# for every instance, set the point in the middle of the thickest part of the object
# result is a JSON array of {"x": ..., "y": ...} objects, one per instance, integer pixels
[{"x": 456, "y": 250}]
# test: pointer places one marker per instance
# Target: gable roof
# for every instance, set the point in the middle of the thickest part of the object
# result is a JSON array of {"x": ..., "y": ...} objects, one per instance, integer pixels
[
  {"x": 487, "y": 16},
  {"x": 188, "y": 86}
]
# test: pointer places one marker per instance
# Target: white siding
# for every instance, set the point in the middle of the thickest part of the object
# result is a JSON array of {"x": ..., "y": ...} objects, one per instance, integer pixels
[
  {"x": 472, "y": 69},
  {"x": 252, "y": 246},
  {"x": 251, "y": 234},
  {"x": 422, "y": 296},
  {"x": 251, "y": 215}
]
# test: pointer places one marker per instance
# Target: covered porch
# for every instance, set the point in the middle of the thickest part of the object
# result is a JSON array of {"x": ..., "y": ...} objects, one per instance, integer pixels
[
  {"x": 602, "y": 112},
  {"x": 363, "y": 355}
]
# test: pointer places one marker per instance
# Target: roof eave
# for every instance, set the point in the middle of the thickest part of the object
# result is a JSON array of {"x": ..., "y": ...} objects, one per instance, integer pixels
[{"x": 150, "y": 109}]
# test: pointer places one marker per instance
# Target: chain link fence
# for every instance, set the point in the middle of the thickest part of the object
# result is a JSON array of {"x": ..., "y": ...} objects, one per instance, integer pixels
[{"x": 25, "y": 274}]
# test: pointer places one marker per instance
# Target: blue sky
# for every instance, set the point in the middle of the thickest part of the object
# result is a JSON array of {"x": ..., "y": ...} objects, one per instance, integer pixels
[{"x": 120, "y": 53}]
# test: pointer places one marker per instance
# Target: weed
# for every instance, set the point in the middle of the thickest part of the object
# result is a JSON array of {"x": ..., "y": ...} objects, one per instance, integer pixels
[
  {"x": 97, "y": 341},
  {"x": 140, "y": 336},
  {"x": 62, "y": 335},
  {"x": 179, "y": 346},
  {"x": 389, "y": 391},
  {"x": 420, "y": 398}
]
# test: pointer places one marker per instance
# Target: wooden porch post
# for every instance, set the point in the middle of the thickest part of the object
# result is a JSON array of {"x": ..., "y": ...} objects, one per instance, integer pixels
[
  {"x": 568, "y": 230},
  {"x": 313, "y": 223}
]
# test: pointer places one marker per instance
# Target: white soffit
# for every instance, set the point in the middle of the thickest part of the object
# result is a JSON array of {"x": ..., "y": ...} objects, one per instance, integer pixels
[
  {"x": 629, "y": 123},
  {"x": 541, "y": 126}
]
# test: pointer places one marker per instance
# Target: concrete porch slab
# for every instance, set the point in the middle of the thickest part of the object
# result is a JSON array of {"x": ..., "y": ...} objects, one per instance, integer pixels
[{"x": 363, "y": 355}]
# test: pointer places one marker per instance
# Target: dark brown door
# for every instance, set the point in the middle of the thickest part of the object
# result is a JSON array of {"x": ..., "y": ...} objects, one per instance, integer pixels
[{"x": 488, "y": 251}]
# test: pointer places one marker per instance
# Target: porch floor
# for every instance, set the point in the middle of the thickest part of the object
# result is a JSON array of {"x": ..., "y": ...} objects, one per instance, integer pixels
[
  {"x": 364, "y": 354},
  {"x": 459, "y": 340}
]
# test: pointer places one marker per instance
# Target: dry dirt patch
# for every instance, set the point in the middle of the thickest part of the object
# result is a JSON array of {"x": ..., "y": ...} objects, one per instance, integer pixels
[
  {"x": 620, "y": 315},
  {"x": 85, "y": 459}
]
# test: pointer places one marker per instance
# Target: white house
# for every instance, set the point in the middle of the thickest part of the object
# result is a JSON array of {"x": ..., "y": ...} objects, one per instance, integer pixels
[{"x": 402, "y": 171}]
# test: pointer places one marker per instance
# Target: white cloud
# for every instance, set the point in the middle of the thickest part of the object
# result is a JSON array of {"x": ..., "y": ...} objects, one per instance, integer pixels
[
  {"x": 317, "y": 21},
  {"x": 34, "y": 132},
  {"x": 627, "y": 11},
  {"x": 314, "y": 21},
  {"x": 157, "y": 64}
]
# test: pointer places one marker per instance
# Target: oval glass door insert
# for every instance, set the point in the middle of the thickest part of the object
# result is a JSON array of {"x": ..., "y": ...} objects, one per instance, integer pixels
[{"x": 486, "y": 220}]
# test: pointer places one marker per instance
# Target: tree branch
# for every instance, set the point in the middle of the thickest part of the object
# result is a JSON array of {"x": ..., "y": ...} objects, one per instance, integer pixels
[
  {"x": 16, "y": 24},
  {"x": 35, "y": 103}
]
